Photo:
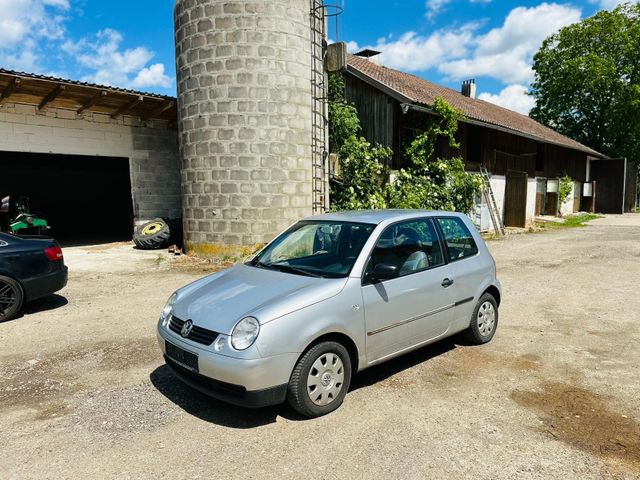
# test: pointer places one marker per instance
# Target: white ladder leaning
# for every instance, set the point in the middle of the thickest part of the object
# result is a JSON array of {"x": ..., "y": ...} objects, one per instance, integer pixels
[{"x": 496, "y": 218}]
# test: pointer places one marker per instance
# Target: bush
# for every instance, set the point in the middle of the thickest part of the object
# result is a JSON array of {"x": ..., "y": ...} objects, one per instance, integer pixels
[
  {"x": 363, "y": 175},
  {"x": 427, "y": 182},
  {"x": 435, "y": 184}
]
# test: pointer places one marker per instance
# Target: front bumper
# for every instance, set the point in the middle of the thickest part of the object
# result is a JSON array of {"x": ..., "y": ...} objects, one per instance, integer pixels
[
  {"x": 251, "y": 383},
  {"x": 228, "y": 392}
]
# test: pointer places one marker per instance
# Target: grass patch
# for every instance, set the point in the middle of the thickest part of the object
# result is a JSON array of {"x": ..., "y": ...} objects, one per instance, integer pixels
[
  {"x": 210, "y": 258},
  {"x": 571, "y": 221}
]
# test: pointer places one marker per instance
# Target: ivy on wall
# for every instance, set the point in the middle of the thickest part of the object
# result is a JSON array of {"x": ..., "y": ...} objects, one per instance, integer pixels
[{"x": 427, "y": 182}]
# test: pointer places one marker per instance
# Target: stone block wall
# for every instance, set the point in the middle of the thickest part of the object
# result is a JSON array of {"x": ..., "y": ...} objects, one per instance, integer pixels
[
  {"x": 244, "y": 101},
  {"x": 152, "y": 149}
]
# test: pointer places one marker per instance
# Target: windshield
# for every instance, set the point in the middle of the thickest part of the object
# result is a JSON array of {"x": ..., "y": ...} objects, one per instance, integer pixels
[{"x": 316, "y": 248}]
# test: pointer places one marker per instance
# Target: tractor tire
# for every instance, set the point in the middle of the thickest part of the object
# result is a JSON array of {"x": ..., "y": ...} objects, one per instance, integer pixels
[{"x": 152, "y": 235}]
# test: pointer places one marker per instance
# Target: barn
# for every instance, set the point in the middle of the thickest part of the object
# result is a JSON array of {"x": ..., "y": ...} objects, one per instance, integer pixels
[
  {"x": 524, "y": 159},
  {"x": 92, "y": 159}
]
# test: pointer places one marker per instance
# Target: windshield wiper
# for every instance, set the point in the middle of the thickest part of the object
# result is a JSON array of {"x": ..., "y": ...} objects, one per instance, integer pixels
[{"x": 291, "y": 269}]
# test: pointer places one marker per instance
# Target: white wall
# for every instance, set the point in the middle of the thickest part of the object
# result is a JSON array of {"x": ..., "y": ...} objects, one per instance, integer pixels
[
  {"x": 152, "y": 149},
  {"x": 531, "y": 200}
]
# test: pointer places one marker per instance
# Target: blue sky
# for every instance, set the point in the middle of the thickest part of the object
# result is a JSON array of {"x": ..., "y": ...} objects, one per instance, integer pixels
[{"x": 130, "y": 43}]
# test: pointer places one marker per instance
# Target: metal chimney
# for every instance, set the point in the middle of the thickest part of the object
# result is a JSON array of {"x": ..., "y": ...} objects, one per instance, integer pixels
[{"x": 469, "y": 88}]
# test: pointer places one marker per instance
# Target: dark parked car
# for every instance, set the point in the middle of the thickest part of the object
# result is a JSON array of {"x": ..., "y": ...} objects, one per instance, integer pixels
[{"x": 30, "y": 268}]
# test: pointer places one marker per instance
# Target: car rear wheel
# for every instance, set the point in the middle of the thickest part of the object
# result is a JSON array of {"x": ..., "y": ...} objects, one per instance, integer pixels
[
  {"x": 320, "y": 380},
  {"x": 11, "y": 298},
  {"x": 484, "y": 320}
]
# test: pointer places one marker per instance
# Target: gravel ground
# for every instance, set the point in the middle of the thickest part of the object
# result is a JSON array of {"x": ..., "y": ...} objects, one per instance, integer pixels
[{"x": 84, "y": 393}]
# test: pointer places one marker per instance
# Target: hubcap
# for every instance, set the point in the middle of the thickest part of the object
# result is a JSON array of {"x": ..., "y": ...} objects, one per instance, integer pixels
[
  {"x": 486, "y": 319},
  {"x": 325, "y": 379},
  {"x": 152, "y": 228},
  {"x": 7, "y": 297}
]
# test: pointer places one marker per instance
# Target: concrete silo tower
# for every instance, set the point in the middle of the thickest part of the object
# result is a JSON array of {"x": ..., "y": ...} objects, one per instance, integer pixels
[{"x": 244, "y": 71}]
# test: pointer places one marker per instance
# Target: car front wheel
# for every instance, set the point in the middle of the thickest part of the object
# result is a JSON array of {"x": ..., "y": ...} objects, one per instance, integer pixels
[
  {"x": 320, "y": 380},
  {"x": 484, "y": 320}
]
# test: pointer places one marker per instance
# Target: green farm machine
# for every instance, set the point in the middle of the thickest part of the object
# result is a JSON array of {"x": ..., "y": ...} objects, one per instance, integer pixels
[{"x": 16, "y": 217}]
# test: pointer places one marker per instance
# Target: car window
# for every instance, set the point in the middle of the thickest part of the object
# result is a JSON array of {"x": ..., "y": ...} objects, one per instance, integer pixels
[
  {"x": 460, "y": 243},
  {"x": 410, "y": 246},
  {"x": 316, "y": 248}
]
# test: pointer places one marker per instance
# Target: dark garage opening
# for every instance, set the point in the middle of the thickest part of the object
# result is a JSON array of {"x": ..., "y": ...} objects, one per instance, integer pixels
[{"x": 85, "y": 199}]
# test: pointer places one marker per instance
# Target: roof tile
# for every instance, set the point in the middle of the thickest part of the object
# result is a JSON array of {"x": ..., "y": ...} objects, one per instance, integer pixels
[{"x": 423, "y": 92}]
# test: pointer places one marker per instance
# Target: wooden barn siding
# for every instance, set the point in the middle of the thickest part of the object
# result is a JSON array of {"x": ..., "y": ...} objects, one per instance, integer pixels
[
  {"x": 560, "y": 160},
  {"x": 383, "y": 122},
  {"x": 375, "y": 109}
]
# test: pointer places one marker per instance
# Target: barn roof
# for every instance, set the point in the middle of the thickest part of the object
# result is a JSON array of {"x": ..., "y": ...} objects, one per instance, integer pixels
[
  {"x": 41, "y": 90},
  {"x": 411, "y": 89}
]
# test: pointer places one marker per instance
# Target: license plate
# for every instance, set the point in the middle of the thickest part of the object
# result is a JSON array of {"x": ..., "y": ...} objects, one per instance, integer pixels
[{"x": 186, "y": 359}]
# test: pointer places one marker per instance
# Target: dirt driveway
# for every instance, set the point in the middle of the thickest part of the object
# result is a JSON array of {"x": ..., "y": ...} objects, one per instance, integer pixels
[{"x": 84, "y": 393}]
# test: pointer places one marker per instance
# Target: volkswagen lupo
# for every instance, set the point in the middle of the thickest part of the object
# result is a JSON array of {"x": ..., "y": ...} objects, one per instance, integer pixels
[{"x": 332, "y": 295}]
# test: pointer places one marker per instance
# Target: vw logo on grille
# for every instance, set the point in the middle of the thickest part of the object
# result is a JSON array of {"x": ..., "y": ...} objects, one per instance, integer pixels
[{"x": 186, "y": 328}]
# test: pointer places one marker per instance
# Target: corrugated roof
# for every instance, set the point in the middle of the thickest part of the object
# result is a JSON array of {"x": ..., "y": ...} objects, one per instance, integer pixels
[
  {"x": 420, "y": 91},
  {"x": 44, "y": 91},
  {"x": 83, "y": 84}
]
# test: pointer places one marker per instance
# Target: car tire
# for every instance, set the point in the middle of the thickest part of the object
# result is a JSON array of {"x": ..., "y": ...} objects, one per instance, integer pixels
[
  {"x": 11, "y": 298},
  {"x": 152, "y": 235},
  {"x": 484, "y": 321},
  {"x": 320, "y": 380}
]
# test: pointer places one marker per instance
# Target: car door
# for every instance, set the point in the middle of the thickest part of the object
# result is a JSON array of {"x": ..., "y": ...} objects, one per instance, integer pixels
[
  {"x": 414, "y": 307},
  {"x": 468, "y": 268}
]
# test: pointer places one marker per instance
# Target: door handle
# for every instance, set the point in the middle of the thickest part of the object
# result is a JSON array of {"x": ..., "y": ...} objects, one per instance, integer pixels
[{"x": 447, "y": 282}]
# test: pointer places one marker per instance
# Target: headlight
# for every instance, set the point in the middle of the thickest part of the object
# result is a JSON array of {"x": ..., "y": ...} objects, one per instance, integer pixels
[
  {"x": 245, "y": 333},
  {"x": 166, "y": 311}
]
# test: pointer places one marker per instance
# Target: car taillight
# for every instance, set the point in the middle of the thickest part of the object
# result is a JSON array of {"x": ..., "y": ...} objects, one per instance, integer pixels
[{"x": 53, "y": 253}]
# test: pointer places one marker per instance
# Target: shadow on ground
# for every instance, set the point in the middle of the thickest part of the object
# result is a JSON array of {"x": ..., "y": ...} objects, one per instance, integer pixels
[
  {"x": 376, "y": 374},
  {"x": 44, "y": 304},
  {"x": 214, "y": 411}
]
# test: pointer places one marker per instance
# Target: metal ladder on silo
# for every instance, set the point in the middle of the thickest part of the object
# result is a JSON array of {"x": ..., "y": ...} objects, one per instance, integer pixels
[
  {"x": 496, "y": 219},
  {"x": 319, "y": 109}
]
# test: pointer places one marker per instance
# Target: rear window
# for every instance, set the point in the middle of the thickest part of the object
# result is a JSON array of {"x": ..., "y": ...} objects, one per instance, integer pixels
[{"x": 457, "y": 236}]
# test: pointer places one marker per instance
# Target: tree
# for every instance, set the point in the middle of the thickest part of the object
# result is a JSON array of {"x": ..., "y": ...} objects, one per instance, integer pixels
[
  {"x": 435, "y": 183},
  {"x": 587, "y": 82}
]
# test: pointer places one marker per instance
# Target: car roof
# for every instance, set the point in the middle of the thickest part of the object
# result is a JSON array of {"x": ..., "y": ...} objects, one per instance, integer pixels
[{"x": 378, "y": 216}]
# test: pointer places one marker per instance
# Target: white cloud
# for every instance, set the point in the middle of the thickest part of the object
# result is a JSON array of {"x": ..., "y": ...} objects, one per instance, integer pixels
[
  {"x": 608, "y": 4},
  {"x": 513, "y": 97},
  {"x": 23, "y": 24},
  {"x": 33, "y": 38},
  {"x": 413, "y": 52},
  {"x": 506, "y": 52},
  {"x": 152, "y": 77},
  {"x": 434, "y": 7},
  {"x": 112, "y": 65}
]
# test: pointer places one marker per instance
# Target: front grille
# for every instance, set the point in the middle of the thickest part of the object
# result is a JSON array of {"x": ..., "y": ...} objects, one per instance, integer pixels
[{"x": 198, "y": 334}]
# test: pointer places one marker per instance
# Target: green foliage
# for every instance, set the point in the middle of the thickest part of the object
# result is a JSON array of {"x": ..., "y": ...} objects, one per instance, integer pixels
[
  {"x": 363, "y": 174},
  {"x": 343, "y": 117},
  {"x": 363, "y": 167},
  {"x": 437, "y": 184},
  {"x": 587, "y": 82},
  {"x": 426, "y": 183},
  {"x": 566, "y": 186}
]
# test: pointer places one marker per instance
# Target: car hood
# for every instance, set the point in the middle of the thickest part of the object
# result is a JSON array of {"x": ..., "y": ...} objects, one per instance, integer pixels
[{"x": 219, "y": 301}]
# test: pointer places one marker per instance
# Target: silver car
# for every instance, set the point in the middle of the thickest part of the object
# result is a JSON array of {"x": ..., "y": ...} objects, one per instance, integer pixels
[{"x": 332, "y": 295}]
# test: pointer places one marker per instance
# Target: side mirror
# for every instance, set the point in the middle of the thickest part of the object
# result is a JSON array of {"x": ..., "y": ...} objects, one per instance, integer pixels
[{"x": 384, "y": 271}]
